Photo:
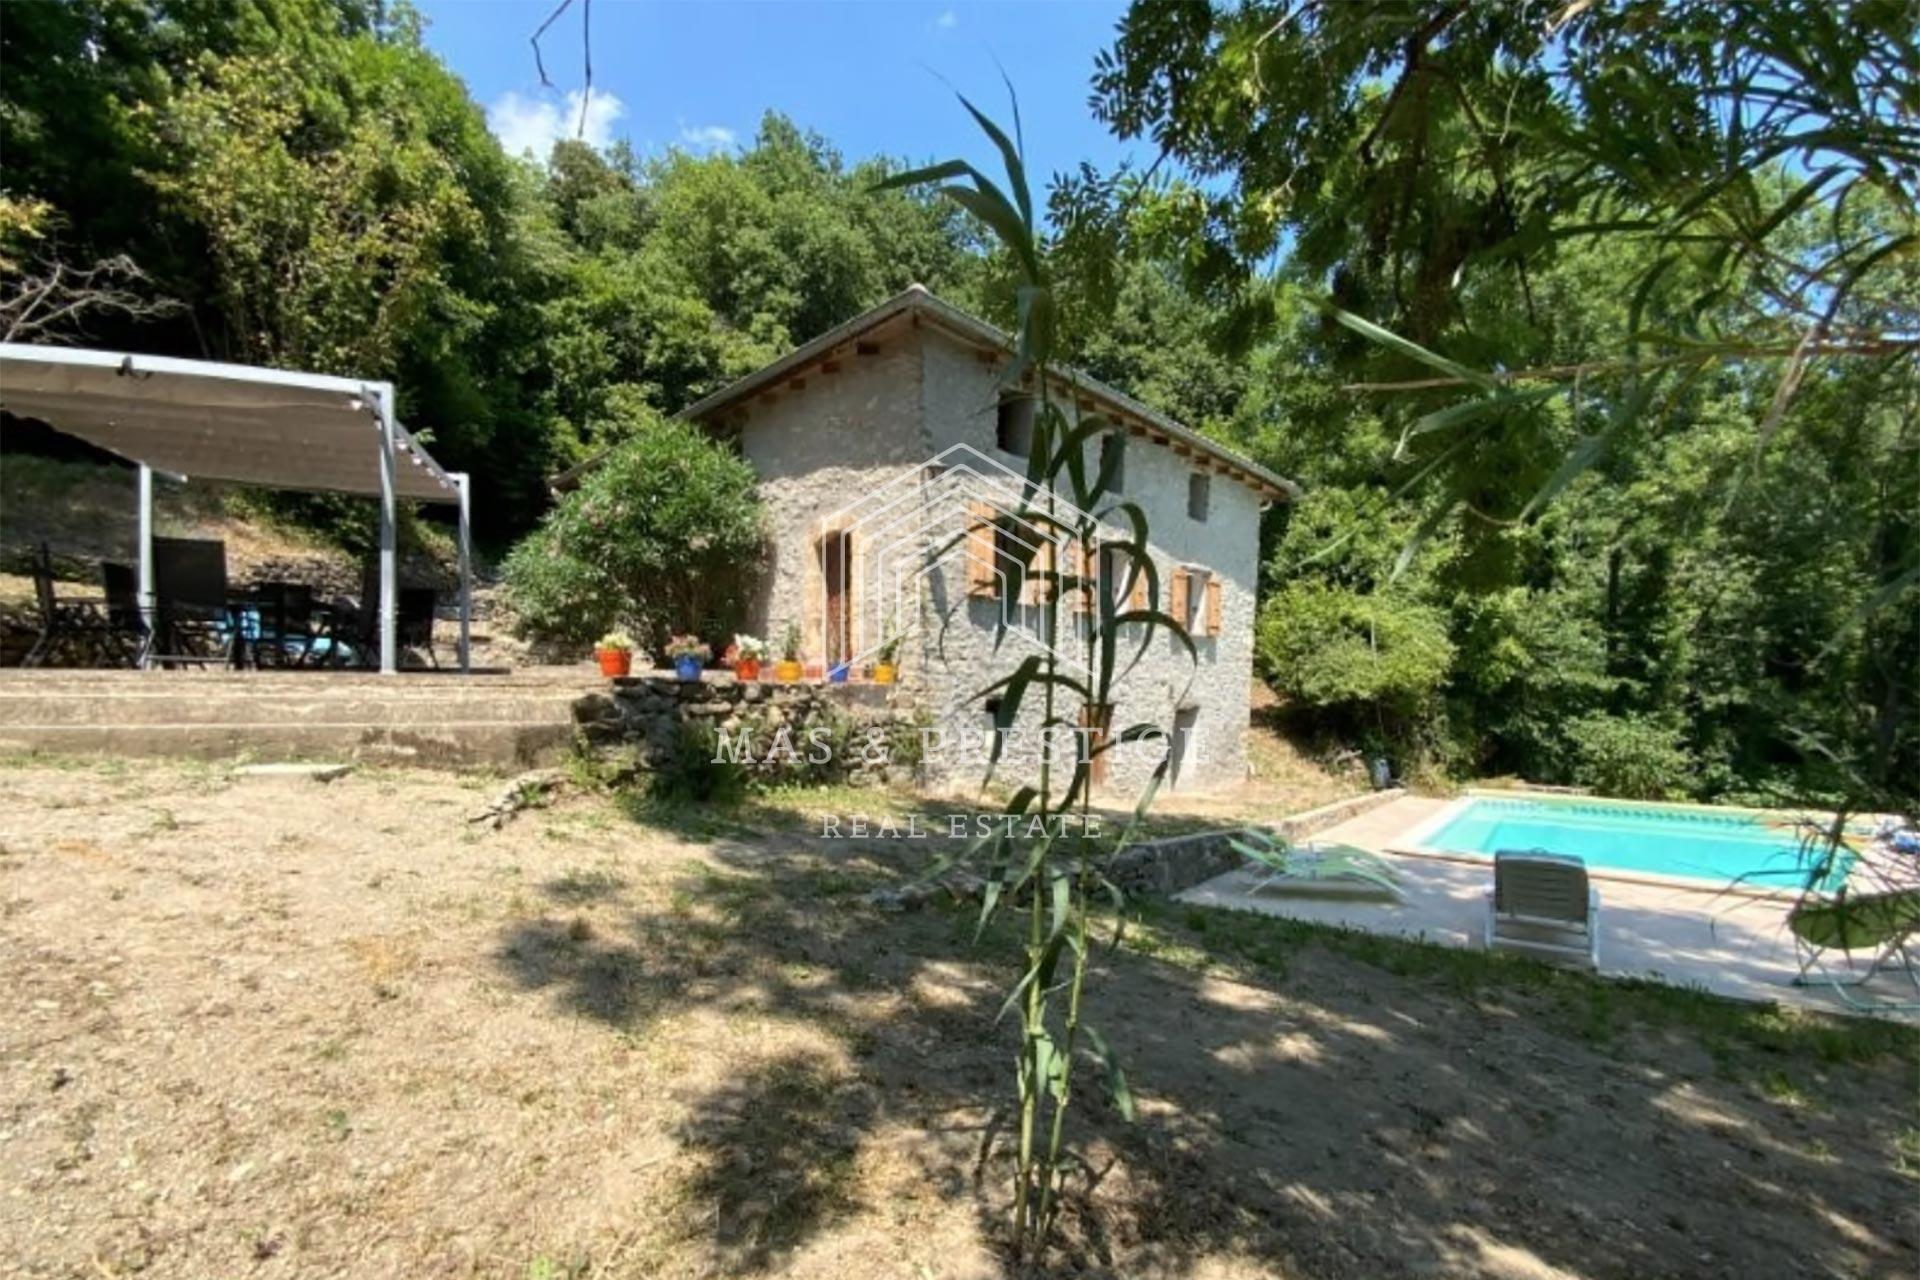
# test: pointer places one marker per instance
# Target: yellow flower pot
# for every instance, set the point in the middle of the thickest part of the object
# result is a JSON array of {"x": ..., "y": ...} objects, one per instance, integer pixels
[
  {"x": 786, "y": 671},
  {"x": 884, "y": 672}
]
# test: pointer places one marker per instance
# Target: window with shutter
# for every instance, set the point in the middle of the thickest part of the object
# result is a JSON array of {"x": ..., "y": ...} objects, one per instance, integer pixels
[
  {"x": 1179, "y": 599},
  {"x": 1213, "y": 606}
]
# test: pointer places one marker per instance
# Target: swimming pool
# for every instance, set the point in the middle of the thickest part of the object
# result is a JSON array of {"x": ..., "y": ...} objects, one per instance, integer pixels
[{"x": 1718, "y": 847}]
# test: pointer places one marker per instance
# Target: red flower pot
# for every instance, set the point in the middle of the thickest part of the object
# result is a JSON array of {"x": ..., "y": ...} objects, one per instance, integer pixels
[
  {"x": 747, "y": 668},
  {"x": 614, "y": 662}
]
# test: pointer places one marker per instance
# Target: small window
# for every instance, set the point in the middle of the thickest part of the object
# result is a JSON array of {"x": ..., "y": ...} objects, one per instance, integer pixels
[
  {"x": 1113, "y": 453},
  {"x": 1006, "y": 555},
  {"x": 1199, "y": 494},
  {"x": 1114, "y": 563},
  {"x": 1013, "y": 426}
]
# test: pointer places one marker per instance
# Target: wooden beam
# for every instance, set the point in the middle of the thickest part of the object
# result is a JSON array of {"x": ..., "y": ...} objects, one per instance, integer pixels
[
  {"x": 829, "y": 366},
  {"x": 866, "y": 348}
]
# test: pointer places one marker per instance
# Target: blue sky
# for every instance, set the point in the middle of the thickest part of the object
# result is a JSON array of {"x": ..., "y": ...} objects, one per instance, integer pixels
[{"x": 871, "y": 76}]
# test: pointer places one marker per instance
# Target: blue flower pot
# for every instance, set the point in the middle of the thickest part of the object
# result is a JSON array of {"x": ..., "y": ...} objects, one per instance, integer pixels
[
  {"x": 687, "y": 668},
  {"x": 838, "y": 674}
]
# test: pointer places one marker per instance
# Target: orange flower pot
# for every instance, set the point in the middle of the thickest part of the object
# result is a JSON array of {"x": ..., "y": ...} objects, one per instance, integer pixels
[
  {"x": 746, "y": 669},
  {"x": 614, "y": 662}
]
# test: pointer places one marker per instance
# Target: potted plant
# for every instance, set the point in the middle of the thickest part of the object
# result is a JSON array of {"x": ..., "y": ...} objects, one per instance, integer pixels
[
  {"x": 749, "y": 652},
  {"x": 614, "y": 651},
  {"x": 787, "y": 670},
  {"x": 886, "y": 668},
  {"x": 688, "y": 656}
]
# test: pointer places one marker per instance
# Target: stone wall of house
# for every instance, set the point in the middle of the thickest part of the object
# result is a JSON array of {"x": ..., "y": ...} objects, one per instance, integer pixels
[
  {"x": 832, "y": 435},
  {"x": 956, "y": 653},
  {"x": 818, "y": 443},
  {"x": 637, "y": 724}
]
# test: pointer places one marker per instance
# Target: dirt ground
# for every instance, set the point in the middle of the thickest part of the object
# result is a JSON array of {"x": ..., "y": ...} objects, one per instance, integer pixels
[{"x": 282, "y": 1028}]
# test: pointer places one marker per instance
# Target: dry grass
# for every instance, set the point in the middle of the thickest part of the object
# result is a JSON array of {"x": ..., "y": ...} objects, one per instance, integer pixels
[{"x": 299, "y": 1030}]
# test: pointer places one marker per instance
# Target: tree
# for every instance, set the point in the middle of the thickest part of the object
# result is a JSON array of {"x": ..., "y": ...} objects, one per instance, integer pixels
[{"x": 662, "y": 536}]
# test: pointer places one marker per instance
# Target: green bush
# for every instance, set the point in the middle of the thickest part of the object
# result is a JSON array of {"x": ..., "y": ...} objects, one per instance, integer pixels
[
  {"x": 694, "y": 773},
  {"x": 1326, "y": 646},
  {"x": 1631, "y": 757},
  {"x": 663, "y": 536}
]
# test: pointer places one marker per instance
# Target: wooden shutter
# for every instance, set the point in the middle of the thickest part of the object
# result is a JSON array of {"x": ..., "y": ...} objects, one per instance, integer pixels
[
  {"x": 1137, "y": 597},
  {"x": 1213, "y": 606},
  {"x": 980, "y": 549},
  {"x": 1180, "y": 596}
]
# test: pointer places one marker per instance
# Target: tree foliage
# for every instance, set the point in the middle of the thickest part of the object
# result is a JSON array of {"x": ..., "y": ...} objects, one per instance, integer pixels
[{"x": 660, "y": 537}]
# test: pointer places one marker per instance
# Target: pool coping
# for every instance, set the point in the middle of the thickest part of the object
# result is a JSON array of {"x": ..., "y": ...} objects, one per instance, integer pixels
[{"x": 1410, "y": 843}]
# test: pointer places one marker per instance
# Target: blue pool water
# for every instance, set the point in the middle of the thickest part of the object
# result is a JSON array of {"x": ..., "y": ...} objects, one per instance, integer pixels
[{"x": 1701, "y": 844}]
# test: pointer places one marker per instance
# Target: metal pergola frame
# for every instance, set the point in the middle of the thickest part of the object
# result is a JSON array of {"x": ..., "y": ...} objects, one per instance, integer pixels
[{"x": 272, "y": 428}]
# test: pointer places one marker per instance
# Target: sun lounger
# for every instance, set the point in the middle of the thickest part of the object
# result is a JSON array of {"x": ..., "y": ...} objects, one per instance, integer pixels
[
  {"x": 1323, "y": 870},
  {"x": 1883, "y": 926},
  {"x": 1543, "y": 904}
]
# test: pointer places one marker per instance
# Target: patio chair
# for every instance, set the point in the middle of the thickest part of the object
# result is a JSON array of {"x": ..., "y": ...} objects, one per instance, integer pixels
[
  {"x": 64, "y": 624},
  {"x": 1322, "y": 870},
  {"x": 1542, "y": 903},
  {"x": 286, "y": 614},
  {"x": 126, "y": 620},
  {"x": 418, "y": 606},
  {"x": 1883, "y": 924},
  {"x": 194, "y": 623}
]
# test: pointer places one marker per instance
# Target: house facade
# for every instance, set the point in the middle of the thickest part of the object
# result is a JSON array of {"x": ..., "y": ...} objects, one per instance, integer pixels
[{"x": 889, "y": 450}]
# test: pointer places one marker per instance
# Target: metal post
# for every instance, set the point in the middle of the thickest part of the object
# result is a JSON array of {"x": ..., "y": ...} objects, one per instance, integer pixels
[
  {"x": 145, "y": 590},
  {"x": 462, "y": 480},
  {"x": 389, "y": 537}
]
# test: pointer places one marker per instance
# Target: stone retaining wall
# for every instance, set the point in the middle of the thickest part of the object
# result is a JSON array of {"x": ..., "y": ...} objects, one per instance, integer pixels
[{"x": 871, "y": 738}]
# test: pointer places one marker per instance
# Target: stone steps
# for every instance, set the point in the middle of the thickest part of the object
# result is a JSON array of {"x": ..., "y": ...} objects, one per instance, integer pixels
[{"x": 449, "y": 721}]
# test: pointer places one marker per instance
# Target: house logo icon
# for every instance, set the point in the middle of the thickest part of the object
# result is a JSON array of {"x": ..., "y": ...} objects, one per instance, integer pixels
[{"x": 969, "y": 520}]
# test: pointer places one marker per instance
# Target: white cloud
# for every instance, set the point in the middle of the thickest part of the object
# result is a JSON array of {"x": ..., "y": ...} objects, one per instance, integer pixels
[
  {"x": 535, "y": 123},
  {"x": 706, "y": 137},
  {"x": 947, "y": 21}
]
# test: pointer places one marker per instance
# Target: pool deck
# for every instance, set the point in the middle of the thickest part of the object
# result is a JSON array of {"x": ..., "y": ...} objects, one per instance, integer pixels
[{"x": 1729, "y": 944}]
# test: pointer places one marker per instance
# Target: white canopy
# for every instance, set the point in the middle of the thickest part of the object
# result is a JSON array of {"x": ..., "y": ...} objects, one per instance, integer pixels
[
  {"x": 270, "y": 427},
  {"x": 205, "y": 420}
]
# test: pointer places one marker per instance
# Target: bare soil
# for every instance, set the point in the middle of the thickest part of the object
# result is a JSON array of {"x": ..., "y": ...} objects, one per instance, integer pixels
[{"x": 282, "y": 1028}]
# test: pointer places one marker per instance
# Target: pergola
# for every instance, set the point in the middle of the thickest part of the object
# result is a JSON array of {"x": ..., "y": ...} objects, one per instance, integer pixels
[{"x": 307, "y": 432}]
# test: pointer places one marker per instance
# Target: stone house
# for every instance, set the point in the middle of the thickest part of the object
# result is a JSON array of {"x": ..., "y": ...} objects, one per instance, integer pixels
[{"x": 883, "y": 448}]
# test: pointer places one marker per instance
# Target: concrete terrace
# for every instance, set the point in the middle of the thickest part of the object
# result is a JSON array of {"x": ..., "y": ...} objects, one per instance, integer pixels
[
  {"x": 1730, "y": 944},
  {"x": 486, "y": 719}
]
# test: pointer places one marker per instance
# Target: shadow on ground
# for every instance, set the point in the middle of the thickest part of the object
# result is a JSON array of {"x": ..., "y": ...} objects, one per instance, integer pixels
[{"x": 1337, "y": 1108}]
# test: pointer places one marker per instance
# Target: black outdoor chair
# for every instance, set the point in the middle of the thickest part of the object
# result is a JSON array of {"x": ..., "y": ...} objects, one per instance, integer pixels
[
  {"x": 194, "y": 623},
  {"x": 418, "y": 606},
  {"x": 125, "y": 619},
  {"x": 286, "y": 622},
  {"x": 68, "y": 625}
]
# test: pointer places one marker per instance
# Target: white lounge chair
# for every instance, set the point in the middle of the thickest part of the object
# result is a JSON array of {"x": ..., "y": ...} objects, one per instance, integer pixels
[{"x": 1543, "y": 904}]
